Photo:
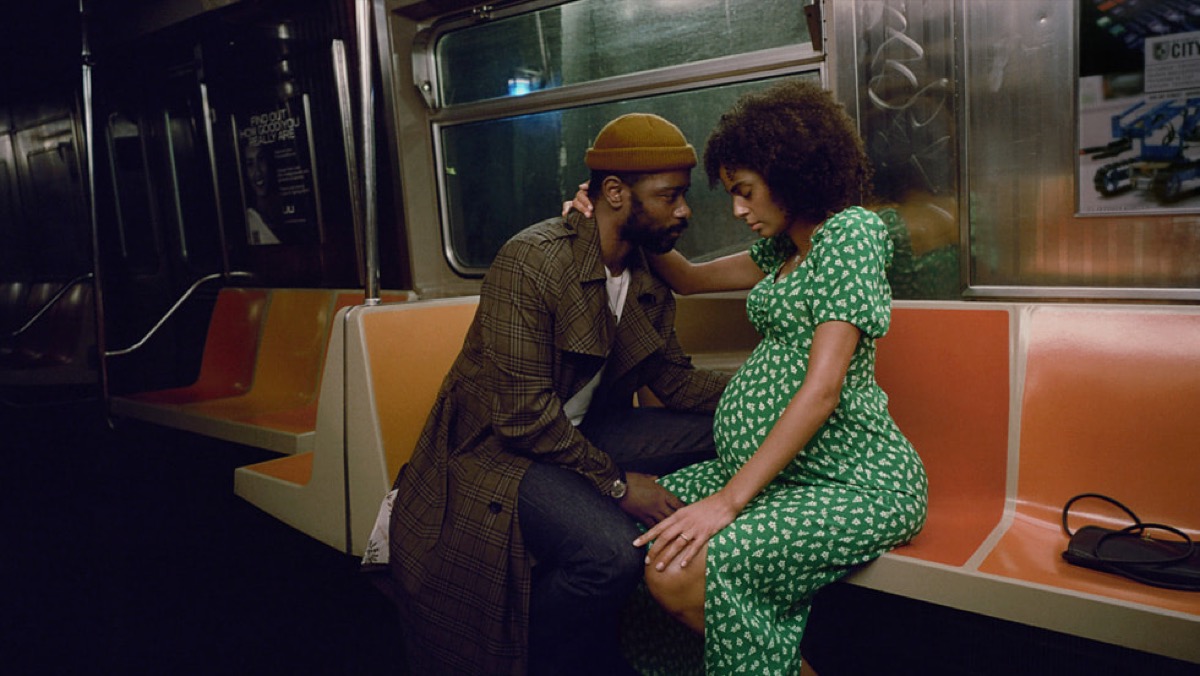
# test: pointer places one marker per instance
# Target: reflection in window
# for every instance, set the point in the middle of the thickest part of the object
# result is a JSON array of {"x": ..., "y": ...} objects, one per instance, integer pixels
[
  {"x": 908, "y": 120},
  {"x": 606, "y": 38},
  {"x": 502, "y": 175}
]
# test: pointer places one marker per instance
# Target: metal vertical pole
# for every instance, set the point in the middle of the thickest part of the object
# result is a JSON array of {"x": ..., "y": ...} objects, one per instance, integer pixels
[
  {"x": 363, "y": 21},
  {"x": 210, "y": 144},
  {"x": 362, "y": 186},
  {"x": 341, "y": 77},
  {"x": 89, "y": 167}
]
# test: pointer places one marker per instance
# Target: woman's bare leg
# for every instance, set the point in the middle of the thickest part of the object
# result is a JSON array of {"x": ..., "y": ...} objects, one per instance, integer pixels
[{"x": 680, "y": 591}]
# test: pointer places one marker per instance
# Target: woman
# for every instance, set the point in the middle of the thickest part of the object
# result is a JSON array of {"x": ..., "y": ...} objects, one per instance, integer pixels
[
  {"x": 812, "y": 477},
  {"x": 262, "y": 201}
]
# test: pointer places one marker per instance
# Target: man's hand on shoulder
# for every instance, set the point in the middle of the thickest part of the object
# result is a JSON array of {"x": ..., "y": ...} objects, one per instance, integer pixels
[{"x": 647, "y": 501}]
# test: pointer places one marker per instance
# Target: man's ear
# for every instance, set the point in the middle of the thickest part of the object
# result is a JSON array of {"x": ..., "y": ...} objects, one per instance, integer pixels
[{"x": 612, "y": 191}]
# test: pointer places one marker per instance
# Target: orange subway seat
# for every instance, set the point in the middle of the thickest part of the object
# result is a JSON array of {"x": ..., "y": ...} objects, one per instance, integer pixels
[
  {"x": 946, "y": 374},
  {"x": 308, "y": 490},
  {"x": 290, "y": 355},
  {"x": 1109, "y": 406},
  {"x": 396, "y": 359},
  {"x": 407, "y": 373},
  {"x": 293, "y": 469},
  {"x": 279, "y": 408},
  {"x": 303, "y": 418},
  {"x": 296, "y": 420},
  {"x": 230, "y": 346}
]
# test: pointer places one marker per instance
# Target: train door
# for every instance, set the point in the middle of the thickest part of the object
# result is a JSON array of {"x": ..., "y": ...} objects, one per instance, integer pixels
[
  {"x": 224, "y": 155},
  {"x": 159, "y": 214}
]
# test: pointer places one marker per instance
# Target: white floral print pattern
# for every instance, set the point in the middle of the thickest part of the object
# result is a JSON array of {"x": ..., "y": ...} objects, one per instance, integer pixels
[{"x": 857, "y": 490}]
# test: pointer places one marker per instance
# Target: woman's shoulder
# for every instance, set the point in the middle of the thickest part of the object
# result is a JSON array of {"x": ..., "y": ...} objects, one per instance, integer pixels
[{"x": 851, "y": 223}]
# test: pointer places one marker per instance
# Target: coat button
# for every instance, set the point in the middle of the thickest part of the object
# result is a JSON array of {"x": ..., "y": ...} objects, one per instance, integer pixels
[{"x": 494, "y": 507}]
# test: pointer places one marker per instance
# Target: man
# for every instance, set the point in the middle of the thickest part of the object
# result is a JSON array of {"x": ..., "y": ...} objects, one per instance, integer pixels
[{"x": 511, "y": 536}]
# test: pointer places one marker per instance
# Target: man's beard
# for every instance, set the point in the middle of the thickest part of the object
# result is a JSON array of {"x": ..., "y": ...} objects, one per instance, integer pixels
[{"x": 639, "y": 229}]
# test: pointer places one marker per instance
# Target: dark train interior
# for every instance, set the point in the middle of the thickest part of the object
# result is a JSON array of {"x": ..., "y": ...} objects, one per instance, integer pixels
[{"x": 187, "y": 391}]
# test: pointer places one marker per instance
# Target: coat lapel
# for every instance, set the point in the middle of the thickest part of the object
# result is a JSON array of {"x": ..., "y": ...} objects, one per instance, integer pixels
[
  {"x": 584, "y": 324},
  {"x": 637, "y": 337}
]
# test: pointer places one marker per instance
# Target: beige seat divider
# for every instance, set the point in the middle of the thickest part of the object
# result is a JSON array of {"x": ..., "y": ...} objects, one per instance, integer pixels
[
  {"x": 397, "y": 357},
  {"x": 308, "y": 490}
]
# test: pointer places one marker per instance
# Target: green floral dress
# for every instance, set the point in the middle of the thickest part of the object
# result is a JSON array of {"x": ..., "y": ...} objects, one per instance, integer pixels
[{"x": 857, "y": 489}]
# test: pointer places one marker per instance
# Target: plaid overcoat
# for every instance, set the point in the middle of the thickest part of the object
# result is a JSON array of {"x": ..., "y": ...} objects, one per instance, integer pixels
[{"x": 542, "y": 331}]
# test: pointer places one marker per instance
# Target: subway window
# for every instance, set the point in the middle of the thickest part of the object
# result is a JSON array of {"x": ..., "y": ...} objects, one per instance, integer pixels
[
  {"x": 504, "y": 174},
  {"x": 589, "y": 40},
  {"x": 518, "y": 98}
]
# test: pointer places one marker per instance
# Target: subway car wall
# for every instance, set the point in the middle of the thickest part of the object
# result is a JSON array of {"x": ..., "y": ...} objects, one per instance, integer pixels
[
  {"x": 218, "y": 153},
  {"x": 45, "y": 240},
  {"x": 195, "y": 110},
  {"x": 968, "y": 111}
]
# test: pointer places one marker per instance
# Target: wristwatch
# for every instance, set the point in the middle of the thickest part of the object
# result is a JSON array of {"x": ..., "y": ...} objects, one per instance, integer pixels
[{"x": 617, "y": 489}]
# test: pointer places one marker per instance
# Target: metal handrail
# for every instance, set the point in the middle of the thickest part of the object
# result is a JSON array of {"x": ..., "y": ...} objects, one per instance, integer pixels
[
  {"x": 50, "y": 303},
  {"x": 163, "y": 320}
]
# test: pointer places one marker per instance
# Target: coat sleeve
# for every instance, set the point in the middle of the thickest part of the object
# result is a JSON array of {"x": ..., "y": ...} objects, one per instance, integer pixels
[
  {"x": 519, "y": 346},
  {"x": 670, "y": 375},
  {"x": 680, "y": 385}
]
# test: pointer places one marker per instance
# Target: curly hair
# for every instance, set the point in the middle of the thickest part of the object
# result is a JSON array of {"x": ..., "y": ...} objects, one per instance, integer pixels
[{"x": 803, "y": 144}]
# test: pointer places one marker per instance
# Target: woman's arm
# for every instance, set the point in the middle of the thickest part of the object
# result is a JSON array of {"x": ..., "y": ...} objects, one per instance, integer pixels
[
  {"x": 833, "y": 347},
  {"x": 727, "y": 273}
]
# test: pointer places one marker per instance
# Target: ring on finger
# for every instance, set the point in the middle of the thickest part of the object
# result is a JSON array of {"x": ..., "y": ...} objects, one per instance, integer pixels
[{"x": 685, "y": 537}]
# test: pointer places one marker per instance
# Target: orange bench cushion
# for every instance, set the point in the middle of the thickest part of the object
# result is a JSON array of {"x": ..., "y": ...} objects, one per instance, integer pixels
[
  {"x": 227, "y": 366},
  {"x": 296, "y": 469},
  {"x": 290, "y": 356},
  {"x": 946, "y": 374},
  {"x": 1111, "y": 405},
  {"x": 411, "y": 351}
]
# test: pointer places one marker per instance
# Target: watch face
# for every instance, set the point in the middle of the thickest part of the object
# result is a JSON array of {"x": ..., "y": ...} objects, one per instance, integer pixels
[{"x": 618, "y": 489}]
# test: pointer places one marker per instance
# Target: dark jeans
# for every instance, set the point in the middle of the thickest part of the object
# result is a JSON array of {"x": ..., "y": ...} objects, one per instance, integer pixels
[{"x": 581, "y": 543}]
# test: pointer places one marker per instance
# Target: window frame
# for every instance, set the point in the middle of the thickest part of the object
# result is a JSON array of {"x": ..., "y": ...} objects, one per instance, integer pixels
[{"x": 757, "y": 65}]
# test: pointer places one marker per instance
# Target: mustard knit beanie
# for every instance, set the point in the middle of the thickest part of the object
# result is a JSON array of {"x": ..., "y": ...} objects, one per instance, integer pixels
[{"x": 640, "y": 142}]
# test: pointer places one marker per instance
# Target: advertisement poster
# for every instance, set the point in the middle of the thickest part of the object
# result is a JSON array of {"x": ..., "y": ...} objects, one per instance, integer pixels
[
  {"x": 1139, "y": 106},
  {"x": 278, "y": 188}
]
